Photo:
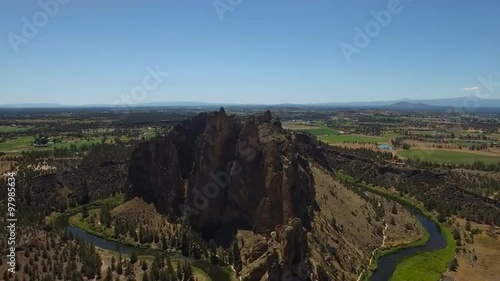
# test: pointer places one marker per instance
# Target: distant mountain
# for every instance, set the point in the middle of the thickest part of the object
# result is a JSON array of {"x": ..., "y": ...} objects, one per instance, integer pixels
[
  {"x": 409, "y": 105},
  {"x": 32, "y": 105},
  {"x": 470, "y": 102},
  {"x": 467, "y": 101},
  {"x": 177, "y": 103}
]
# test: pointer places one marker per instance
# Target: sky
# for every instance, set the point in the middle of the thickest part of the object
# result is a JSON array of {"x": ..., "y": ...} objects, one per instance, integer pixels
[{"x": 245, "y": 51}]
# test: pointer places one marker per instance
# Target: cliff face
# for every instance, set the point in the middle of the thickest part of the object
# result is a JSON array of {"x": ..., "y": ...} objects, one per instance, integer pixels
[
  {"x": 293, "y": 220},
  {"x": 214, "y": 170}
]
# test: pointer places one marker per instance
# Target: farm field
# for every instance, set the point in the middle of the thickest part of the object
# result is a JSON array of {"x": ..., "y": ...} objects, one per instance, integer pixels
[
  {"x": 321, "y": 131},
  {"x": 19, "y": 144},
  {"x": 352, "y": 138},
  {"x": 16, "y": 144},
  {"x": 335, "y": 137},
  {"x": 444, "y": 156},
  {"x": 422, "y": 150},
  {"x": 7, "y": 129},
  {"x": 298, "y": 126}
]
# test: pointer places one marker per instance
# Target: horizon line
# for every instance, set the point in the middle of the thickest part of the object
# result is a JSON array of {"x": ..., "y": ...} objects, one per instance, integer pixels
[{"x": 201, "y": 103}]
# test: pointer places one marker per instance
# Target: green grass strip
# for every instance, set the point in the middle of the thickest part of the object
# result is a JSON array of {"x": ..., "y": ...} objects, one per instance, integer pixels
[{"x": 424, "y": 266}]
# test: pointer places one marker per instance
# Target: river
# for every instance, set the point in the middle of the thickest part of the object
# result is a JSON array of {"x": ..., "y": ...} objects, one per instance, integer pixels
[
  {"x": 387, "y": 264},
  {"x": 105, "y": 244},
  {"x": 214, "y": 272}
]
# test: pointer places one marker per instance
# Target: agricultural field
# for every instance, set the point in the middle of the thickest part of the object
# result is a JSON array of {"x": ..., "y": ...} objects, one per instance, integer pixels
[
  {"x": 321, "y": 131},
  {"x": 432, "y": 138},
  {"x": 444, "y": 156},
  {"x": 16, "y": 145},
  {"x": 5, "y": 129},
  {"x": 352, "y": 138},
  {"x": 25, "y": 143},
  {"x": 334, "y": 136}
]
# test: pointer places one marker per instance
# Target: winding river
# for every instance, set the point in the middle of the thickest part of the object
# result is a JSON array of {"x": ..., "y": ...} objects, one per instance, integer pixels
[
  {"x": 387, "y": 264},
  {"x": 106, "y": 244},
  {"x": 214, "y": 272}
]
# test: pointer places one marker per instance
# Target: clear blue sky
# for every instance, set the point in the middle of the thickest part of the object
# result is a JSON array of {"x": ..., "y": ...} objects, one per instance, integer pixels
[{"x": 261, "y": 52}]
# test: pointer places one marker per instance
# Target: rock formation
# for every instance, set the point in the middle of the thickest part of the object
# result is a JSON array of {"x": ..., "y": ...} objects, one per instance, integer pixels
[
  {"x": 217, "y": 170},
  {"x": 217, "y": 173}
]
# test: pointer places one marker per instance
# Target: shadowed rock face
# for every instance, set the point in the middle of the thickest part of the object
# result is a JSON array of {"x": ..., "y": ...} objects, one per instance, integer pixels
[
  {"x": 216, "y": 170},
  {"x": 218, "y": 173}
]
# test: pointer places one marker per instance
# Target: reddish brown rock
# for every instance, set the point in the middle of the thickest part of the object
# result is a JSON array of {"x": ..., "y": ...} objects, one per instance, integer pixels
[{"x": 224, "y": 171}]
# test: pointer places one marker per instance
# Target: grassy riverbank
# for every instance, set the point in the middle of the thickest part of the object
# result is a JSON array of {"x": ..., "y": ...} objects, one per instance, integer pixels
[
  {"x": 203, "y": 270},
  {"x": 78, "y": 221},
  {"x": 425, "y": 266},
  {"x": 73, "y": 216},
  {"x": 59, "y": 220}
]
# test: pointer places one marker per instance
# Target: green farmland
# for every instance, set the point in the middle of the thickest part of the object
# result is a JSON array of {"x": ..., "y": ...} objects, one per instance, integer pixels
[
  {"x": 443, "y": 156},
  {"x": 321, "y": 131},
  {"x": 352, "y": 138},
  {"x": 333, "y": 136},
  {"x": 16, "y": 144},
  {"x": 8, "y": 129},
  {"x": 19, "y": 144}
]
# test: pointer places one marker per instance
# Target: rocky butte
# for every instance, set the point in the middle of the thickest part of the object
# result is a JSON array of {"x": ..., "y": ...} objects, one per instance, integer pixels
[
  {"x": 270, "y": 188},
  {"x": 221, "y": 171}
]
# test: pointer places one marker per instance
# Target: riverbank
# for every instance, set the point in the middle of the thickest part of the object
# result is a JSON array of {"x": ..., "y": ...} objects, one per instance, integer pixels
[
  {"x": 77, "y": 221},
  {"x": 72, "y": 221},
  {"x": 374, "y": 253},
  {"x": 73, "y": 217},
  {"x": 432, "y": 263},
  {"x": 60, "y": 220}
]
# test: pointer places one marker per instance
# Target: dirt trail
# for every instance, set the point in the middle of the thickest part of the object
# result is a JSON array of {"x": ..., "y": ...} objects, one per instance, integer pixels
[{"x": 386, "y": 226}]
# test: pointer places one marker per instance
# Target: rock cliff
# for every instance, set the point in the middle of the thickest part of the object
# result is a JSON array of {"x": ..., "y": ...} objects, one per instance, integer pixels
[
  {"x": 214, "y": 170},
  {"x": 216, "y": 173}
]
